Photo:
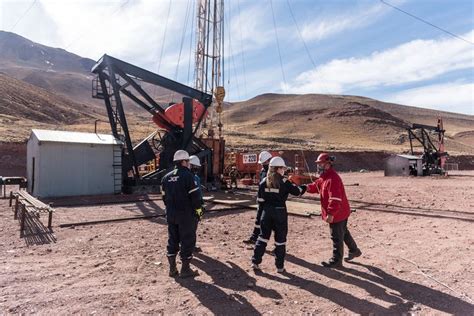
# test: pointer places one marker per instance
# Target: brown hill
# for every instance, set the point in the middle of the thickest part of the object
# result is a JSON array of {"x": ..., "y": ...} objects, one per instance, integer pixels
[
  {"x": 59, "y": 71},
  {"x": 53, "y": 69},
  {"x": 24, "y": 106},
  {"x": 56, "y": 90},
  {"x": 315, "y": 121}
]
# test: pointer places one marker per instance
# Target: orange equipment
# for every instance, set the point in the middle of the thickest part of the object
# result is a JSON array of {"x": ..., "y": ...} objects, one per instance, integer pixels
[{"x": 175, "y": 114}]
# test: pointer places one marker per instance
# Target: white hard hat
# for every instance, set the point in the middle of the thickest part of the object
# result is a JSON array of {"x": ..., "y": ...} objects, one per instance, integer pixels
[
  {"x": 277, "y": 162},
  {"x": 264, "y": 156},
  {"x": 194, "y": 160},
  {"x": 181, "y": 155}
]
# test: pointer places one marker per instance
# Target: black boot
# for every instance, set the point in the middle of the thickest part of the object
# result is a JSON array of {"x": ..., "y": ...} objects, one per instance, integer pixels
[
  {"x": 331, "y": 263},
  {"x": 186, "y": 271},
  {"x": 250, "y": 241},
  {"x": 173, "y": 270},
  {"x": 353, "y": 255}
]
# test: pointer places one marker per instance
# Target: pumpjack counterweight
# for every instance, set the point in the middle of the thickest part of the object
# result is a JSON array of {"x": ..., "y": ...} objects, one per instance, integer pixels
[{"x": 115, "y": 79}]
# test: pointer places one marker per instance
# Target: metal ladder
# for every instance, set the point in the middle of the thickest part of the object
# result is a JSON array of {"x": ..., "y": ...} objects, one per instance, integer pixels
[{"x": 117, "y": 168}]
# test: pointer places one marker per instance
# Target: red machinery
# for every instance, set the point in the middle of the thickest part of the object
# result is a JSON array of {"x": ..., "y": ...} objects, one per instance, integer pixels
[
  {"x": 246, "y": 163},
  {"x": 300, "y": 175},
  {"x": 174, "y": 114}
]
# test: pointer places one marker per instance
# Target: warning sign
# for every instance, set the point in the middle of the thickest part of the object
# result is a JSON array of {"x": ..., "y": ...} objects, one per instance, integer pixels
[{"x": 249, "y": 158}]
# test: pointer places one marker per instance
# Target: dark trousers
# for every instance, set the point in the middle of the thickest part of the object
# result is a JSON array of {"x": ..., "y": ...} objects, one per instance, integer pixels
[
  {"x": 256, "y": 229},
  {"x": 276, "y": 220},
  {"x": 182, "y": 234},
  {"x": 340, "y": 235}
]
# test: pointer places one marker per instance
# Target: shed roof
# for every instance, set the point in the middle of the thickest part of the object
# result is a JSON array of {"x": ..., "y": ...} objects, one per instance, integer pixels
[
  {"x": 410, "y": 157},
  {"x": 74, "y": 137}
]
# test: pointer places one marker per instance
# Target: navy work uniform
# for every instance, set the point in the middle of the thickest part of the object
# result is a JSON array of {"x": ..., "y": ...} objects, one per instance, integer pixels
[
  {"x": 181, "y": 198},
  {"x": 274, "y": 218},
  {"x": 256, "y": 230}
]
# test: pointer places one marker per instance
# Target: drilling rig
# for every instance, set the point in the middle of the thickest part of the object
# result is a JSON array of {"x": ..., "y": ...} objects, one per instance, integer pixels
[
  {"x": 433, "y": 157},
  {"x": 190, "y": 124}
]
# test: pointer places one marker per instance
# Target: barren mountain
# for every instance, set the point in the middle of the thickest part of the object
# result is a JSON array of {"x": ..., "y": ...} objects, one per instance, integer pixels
[
  {"x": 59, "y": 94},
  {"x": 24, "y": 106},
  {"x": 53, "y": 69},
  {"x": 340, "y": 122}
]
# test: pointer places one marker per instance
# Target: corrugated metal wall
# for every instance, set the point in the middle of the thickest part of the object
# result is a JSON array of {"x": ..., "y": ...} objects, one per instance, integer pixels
[{"x": 67, "y": 169}]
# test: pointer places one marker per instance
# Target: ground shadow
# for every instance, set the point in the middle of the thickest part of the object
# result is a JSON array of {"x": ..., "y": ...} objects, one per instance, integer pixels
[
  {"x": 345, "y": 300},
  {"x": 399, "y": 306},
  {"x": 415, "y": 292},
  {"x": 214, "y": 298},
  {"x": 231, "y": 276},
  {"x": 147, "y": 208},
  {"x": 35, "y": 233}
]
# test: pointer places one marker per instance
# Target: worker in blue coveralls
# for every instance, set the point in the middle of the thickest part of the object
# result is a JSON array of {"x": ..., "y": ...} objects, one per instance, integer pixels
[
  {"x": 273, "y": 192},
  {"x": 195, "y": 168},
  {"x": 264, "y": 160},
  {"x": 183, "y": 211}
]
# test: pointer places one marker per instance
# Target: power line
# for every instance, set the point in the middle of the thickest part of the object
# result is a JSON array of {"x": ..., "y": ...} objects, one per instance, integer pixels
[
  {"x": 23, "y": 15},
  {"x": 119, "y": 8},
  {"x": 321, "y": 82},
  {"x": 300, "y": 35},
  {"x": 231, "y": 54},
  {"x": 242, "y": 49},
  {"x": 426, "y": 22},
  {"x": 191, "y": 39},
  {"x": 278, "y": 44},
  {"x": 164, "y": 36},
  {"x": 185, "y": 28}
]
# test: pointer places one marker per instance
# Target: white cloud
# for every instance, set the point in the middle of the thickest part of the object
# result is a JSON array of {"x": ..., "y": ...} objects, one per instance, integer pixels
[
  {"x": 251, "y": 30},
  {"x": 132, "y": 30},
  {"x": 451, "y": 97},
  {"x": 414, "y": 61},
  {"x": 325, "y": 26}
]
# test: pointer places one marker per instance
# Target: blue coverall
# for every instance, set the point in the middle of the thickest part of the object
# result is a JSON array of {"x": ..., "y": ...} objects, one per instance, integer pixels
[
  {"x": 181, "y": 198},
  {"x": 274, "y": 218}
]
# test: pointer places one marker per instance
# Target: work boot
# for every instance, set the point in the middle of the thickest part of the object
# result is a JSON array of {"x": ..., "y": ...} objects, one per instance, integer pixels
[
  {"x": 186, "y": 271},
  {"x": 281, "y": 270},
  {"x": 255, "y": 267},
  {"x": 249, "y": 241},
  {"x": 173, "y": 270},
  {"x": 331, "y": 263},
  {"x": 353, "y": 255}
]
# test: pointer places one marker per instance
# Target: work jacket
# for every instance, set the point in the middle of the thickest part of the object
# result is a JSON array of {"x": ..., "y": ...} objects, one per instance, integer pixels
[
  {"x": 270, "y": 198},
  {"x": 197, "y": 181},
  {"x": 333, "y": 196},
  {"x": 263, "y": 173},
  {"x": 180, "y": 195}
]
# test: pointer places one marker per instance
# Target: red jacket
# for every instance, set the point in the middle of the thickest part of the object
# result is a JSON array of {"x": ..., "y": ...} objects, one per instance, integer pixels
[{"x": 333, "y": 196}]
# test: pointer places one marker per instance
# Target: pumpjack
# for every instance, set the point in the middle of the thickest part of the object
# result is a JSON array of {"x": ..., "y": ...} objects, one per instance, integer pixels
[
  {"x": 433, "y": 157},
  {"x": 179, "y": 123}
]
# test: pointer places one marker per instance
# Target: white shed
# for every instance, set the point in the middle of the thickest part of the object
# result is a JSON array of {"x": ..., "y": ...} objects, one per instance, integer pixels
[
  {"x": 63, "y": 163},
  {"x": 403, "y": 165}
]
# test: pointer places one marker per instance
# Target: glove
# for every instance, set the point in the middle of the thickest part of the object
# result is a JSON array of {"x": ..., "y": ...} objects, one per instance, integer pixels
[
  {"x": 199, "y": 213},
  {"x": 303, "y": 189}
]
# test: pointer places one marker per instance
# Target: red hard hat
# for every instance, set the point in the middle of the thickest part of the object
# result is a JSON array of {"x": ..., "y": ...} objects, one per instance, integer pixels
[{"x": 323, "y": 157}]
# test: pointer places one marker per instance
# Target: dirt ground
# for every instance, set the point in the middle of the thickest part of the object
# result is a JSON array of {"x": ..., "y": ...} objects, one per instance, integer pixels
[{"x": 415, "y": 235}]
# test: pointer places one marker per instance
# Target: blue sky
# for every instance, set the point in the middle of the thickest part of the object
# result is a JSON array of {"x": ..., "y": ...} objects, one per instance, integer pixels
[{"x": 358, "y": 47}]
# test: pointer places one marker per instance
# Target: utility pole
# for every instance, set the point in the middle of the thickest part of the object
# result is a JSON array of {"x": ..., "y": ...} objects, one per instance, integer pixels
[{"x": 209, "y": 60}]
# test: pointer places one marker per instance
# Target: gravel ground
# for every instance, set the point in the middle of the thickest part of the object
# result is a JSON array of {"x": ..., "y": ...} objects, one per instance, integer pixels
[{"x": 415, "y": 234}]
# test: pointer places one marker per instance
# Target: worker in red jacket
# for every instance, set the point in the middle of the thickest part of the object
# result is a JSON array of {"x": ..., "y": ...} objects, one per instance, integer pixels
[{"x": 335, "y": 210}]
